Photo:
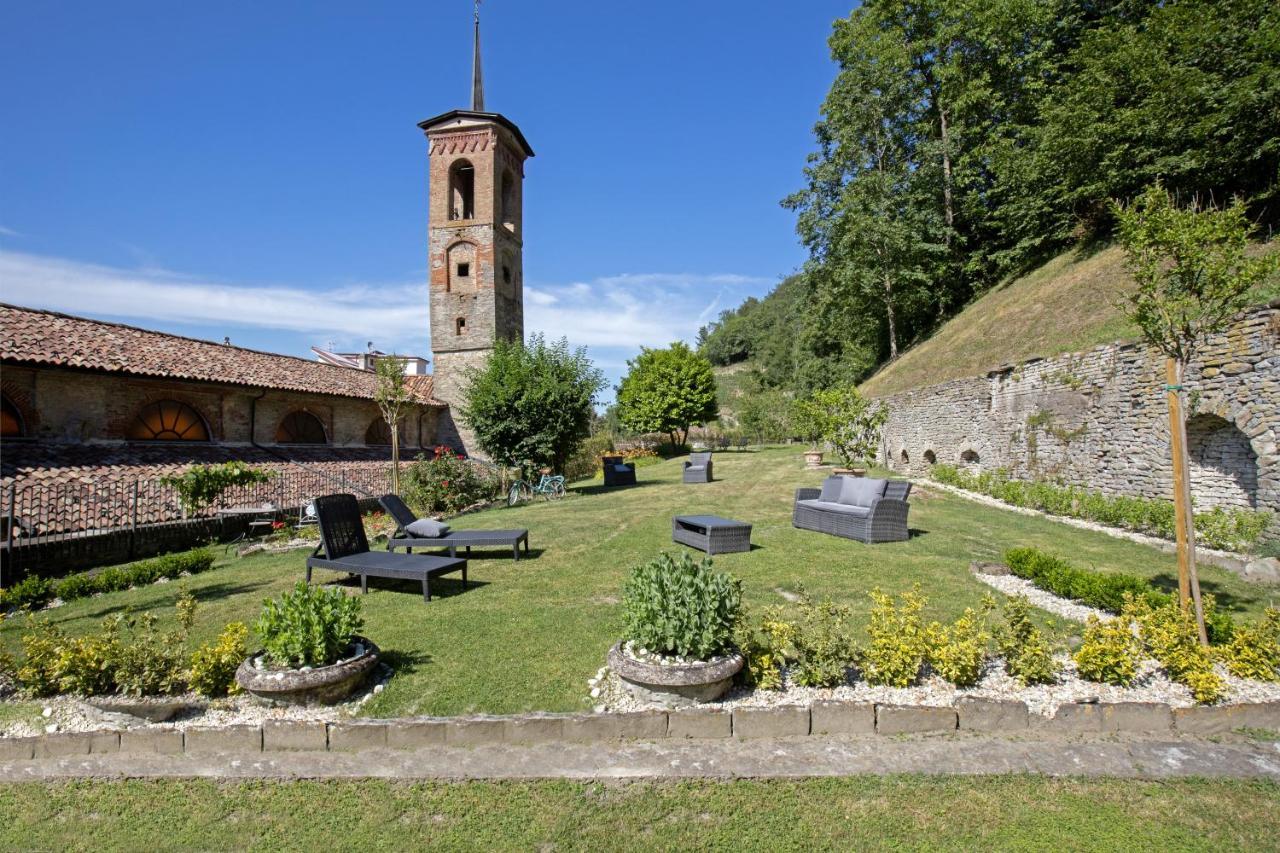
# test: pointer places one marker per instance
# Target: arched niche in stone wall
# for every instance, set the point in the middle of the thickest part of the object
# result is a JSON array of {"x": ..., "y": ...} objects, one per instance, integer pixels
[
  {"x": 1224, "y": 466},
  {"x": 930, "y": 457},
  {"x": 461, "y": 267}
]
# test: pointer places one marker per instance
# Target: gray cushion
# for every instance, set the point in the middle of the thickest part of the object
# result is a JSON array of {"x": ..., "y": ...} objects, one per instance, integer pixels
[
  {"x": 623, "y": 469},
  {"x": 831, "y": 506},
  {"x": 831, "y": 489},
  {"x": 861, "y": 491},
  {"x": 428, "y": 528},
  {"x": 695, "y": 467}
]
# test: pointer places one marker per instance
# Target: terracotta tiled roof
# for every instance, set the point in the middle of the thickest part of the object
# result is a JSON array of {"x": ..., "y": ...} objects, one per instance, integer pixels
[{"x": 29, "y": 336}]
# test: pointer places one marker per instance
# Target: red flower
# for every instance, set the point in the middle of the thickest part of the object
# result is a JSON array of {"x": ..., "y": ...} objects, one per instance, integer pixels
[
  {"x": 277, "y": 525},
  {"x": 445, "y": 484}
]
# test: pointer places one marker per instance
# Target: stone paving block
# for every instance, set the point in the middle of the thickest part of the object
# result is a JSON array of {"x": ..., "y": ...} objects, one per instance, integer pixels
[
  {"x": 843, "y": 718},
  {"x": 352, "y": 736},
  {"x": 307, "y": 735},
  {"x": 914, "y": 719},
  {"x": 63, "y": 743},
  {"x": 474, "y": 731},
  {"x": 1136, "y": 717},
  {"x": 17, "y": 748},
  {"x": 1221, "y": 719},
  {"x": 104, "y": 742},
  {"x": 162, "y": 741},
  {"x": 992, "y": 715},
  {"x": 587, "y": 728},
  {"x": 777, "y": 721},
  {"x": 699, "y": 722},
  {"x": 244, "y": 738},
  {"x": 534, "y": 728},
  {"x": 415, "y": 734},
  {"x": 1074, "y": 718}
]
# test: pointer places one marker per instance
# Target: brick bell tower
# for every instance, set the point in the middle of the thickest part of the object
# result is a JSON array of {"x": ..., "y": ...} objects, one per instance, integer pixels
[{"x": 476, "y": 162}]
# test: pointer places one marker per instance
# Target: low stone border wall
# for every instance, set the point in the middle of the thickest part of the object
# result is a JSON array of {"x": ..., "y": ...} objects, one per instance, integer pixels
[{"x": 820, "y": 719}]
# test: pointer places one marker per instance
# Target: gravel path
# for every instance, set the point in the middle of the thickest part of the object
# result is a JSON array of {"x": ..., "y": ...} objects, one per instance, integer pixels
[{"x": 1012, "y": 585}]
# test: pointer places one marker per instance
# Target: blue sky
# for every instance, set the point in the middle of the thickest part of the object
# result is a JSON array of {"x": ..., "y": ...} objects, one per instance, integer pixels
[{"x": 254, "y": 169}]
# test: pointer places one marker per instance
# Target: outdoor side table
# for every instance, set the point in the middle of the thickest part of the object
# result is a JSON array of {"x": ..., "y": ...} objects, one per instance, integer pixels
[{"x": 711, "y": 533}]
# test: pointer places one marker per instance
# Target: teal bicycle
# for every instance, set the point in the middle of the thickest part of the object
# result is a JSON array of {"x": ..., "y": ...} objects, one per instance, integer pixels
[{"x": 550, "y": 487}]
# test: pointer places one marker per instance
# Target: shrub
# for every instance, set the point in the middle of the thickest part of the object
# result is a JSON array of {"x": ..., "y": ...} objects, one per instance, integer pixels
[
  {"x": 146, "y": 661},
  {"x": 33, "y": 591},
  {"x": 1027, "y": 655},
  {"x": 39, "y": 673},
  {"x": 446, "y": 483},
  {"x": 1254, "y": 650},
  {"x": 898, "y": 645},
  {"x": 674, "y": 606},
  {"x": 87, "y": 665},
  {"x": 957, "y": 652},
  {"x": 1228, "y": 529},
  {"x": 1109, "y": 653},
  {"x": 766, "y": 646},
  {"x": 824, "y": 644},
  {"x": 309, "y": 626},
  {"x": 201, "y": 486},
  {"x": 214, "y": 665},
  {"x": 1169, "y": 634},
  {"x": 1102, "y": 590},
  {"x": 585, "y": 462}
]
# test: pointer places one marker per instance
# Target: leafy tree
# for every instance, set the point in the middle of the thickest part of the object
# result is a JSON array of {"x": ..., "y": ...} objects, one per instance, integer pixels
[
  {"x": 202, "y": 486},
  {"x": 1192, "y": 277},
  {"x": 667, "y": 390},
  {"x": 850, "y": 422},
  {"x": 393, "y": 397},
  {"x": 532, "y": 403}
]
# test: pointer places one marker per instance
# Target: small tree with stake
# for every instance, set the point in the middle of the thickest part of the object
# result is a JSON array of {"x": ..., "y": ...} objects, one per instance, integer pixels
[
  {"x": 393, "y": 398},
  {"x": 1192, "y": 277}
]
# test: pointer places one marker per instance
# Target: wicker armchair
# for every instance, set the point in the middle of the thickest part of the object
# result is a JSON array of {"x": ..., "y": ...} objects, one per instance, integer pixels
[
  {"x": 868, "y": 511},
  {"x": 697, "y": 468},
  {"x": 617, "y": 472}
]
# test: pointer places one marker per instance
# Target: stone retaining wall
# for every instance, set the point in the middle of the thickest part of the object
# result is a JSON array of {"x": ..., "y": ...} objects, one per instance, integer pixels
[
  {"x": 820, "y": 719},
  {"x": 1099, "y": 419}
]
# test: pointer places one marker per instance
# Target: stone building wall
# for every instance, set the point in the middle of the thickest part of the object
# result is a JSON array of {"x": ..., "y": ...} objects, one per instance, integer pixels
[{"x": 1099, "y": 419}]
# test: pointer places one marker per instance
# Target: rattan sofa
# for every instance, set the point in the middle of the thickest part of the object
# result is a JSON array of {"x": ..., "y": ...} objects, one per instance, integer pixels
[{"x": 862, "y": 508}]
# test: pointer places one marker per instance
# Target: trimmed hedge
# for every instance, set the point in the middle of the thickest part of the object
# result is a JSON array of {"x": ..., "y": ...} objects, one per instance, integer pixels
[
  {"x": 1227, "y": 529},
  {"x": 36, "y": 591},
  {"x": 1098, "y": 589}
]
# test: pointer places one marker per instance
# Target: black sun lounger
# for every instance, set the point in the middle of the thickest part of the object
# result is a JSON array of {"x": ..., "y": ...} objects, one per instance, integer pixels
[{"x": 452, "y": 540}]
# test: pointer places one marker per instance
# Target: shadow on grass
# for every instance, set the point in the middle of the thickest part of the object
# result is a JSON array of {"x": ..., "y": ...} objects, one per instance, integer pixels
[
  {"x": 441, "y": 587},
  {"x": 1224, "y": 599},
  {"x": 404, "y": 662},
  {"x": 602, "y": 489},
  {"x": 202, "y": 595}
]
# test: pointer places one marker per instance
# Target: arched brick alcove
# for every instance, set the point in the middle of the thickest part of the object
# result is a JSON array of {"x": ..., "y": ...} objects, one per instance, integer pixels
[{"x": 1224, "y": 466}]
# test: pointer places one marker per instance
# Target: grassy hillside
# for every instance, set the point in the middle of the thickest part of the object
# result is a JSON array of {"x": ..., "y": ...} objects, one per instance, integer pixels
[{"x": 1069, "y": 304}]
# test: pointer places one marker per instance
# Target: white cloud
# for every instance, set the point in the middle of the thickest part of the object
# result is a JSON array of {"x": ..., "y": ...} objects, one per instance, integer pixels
[
  {"x": 612, "y": 315},
  {"x": 8, "y": 232}
]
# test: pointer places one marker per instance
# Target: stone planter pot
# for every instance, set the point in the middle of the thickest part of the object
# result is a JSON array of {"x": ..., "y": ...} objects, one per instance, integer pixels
[
  {"x": 323, "y": 685},
  {"x": 813, "y": 458},
  {"x": 678, "y": 685}
]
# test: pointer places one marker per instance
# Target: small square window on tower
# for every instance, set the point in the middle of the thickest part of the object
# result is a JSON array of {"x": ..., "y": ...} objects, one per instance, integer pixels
[
  {"x": 460, "y": 325},
  {"x": 464, "y": 270}
]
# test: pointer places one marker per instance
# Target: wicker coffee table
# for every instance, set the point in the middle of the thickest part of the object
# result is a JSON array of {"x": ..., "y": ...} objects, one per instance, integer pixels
[{"x": 711, "y": 533}]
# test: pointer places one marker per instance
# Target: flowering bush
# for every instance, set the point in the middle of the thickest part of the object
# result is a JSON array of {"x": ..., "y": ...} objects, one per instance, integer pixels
[{"x": 446, "y": 483}]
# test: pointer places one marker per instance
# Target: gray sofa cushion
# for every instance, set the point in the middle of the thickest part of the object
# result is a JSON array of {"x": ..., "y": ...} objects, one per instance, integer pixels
[
  {"x": 831, "y": 489},
  {"x": 832, "y": 506},
  {"x": 428, "y": 528},
  {"x": 861, "y": 491}
]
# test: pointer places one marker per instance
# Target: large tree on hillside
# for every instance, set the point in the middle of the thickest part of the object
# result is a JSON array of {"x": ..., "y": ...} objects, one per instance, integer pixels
[
  {"x": 667, "y": 390},
  {"x": 532, "y": 403}
]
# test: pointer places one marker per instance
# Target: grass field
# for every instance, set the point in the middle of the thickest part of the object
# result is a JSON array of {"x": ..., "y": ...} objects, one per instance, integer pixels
[
  {"x": 527, "y": 635},
  {"x": 913, "y": 813}
]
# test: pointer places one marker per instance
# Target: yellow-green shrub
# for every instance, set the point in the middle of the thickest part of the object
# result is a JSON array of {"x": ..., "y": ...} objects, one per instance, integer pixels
[
  {"x": 898, "y": 644},
  {"x": 957, "y": 651},
  {"x": 1254, "y": 650},
  {"x": 823, "y": 644},
  {"x": 1027, "y": 655},
  {"x": 1109, "y": 653},
  {"x": 213, "y": 665},
  {"x": 1169, "y": 634},
  {"x": 765, "y": 645}
]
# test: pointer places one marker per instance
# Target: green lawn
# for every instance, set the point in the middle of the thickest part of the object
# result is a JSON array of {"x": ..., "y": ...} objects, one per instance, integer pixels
[
  {"x": 1012, "y": 812},
  {"x": 528, "y": 635}
]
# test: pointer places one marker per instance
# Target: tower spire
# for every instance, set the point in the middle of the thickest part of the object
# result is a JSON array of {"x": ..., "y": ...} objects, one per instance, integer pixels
[{"x": 477, "y": 80}]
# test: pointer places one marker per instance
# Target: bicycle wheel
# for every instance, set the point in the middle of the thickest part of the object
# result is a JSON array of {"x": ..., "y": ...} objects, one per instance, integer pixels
[
  {"x": 558, "y": 490},
  {"x": 513, "y": 494}
]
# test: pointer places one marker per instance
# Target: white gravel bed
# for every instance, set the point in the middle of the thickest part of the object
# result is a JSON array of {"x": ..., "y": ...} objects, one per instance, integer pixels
[
  {"x": 1012, "y": 585},
  {"x": 69, "y": 714},
  {"x": 1152, "y": 685}
]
